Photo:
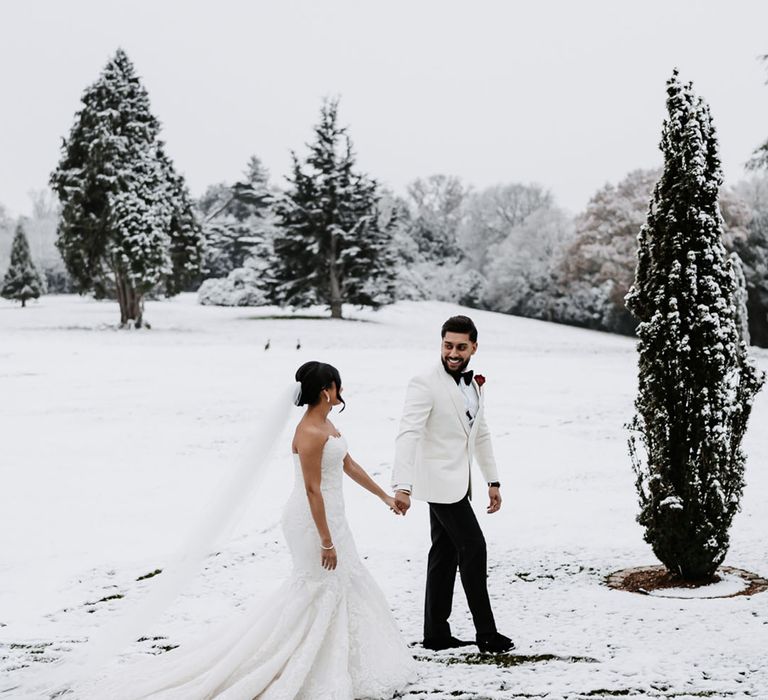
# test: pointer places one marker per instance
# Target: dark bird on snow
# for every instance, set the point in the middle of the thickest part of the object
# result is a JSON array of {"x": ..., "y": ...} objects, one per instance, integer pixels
[
  {"x": 298, "y": 344},
  {"x": 266, "y": 347}
]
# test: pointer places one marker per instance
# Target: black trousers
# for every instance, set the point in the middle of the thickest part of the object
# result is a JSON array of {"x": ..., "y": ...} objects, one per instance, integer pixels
[{"x": 457, "y": 541}]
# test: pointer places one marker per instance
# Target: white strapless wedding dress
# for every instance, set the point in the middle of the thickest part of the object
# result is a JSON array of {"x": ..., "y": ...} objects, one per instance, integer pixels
[{"x": 324, "y": 635}]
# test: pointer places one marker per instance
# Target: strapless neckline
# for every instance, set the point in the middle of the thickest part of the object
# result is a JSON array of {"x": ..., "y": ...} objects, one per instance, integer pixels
[{"x": 335, "y": 437}]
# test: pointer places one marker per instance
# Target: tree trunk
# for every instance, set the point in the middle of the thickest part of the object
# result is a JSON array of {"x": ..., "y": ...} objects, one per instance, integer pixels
[
  {"x": 134, "y": 307},
  {"x": 120, "y": 289},
  {"x": 131, "y": 304},
  {"x": 334, "y": 281},
  {"x": 23, "y": 302}
]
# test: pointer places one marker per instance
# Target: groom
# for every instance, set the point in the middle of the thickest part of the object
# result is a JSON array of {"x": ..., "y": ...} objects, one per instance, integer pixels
[{"x": 442, "y": 428}]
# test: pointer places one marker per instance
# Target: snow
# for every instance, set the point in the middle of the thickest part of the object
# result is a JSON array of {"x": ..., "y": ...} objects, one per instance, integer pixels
[
  {"x": 672, "y": 502},
  {"x": 729, "y": 584},
  {"x": 111, "y": 442}
]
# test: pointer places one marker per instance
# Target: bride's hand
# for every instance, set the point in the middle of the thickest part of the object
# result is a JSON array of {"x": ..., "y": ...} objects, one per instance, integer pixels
[
  {"x": 390, "y": 502},
  {"x": 329, "y": 559}
]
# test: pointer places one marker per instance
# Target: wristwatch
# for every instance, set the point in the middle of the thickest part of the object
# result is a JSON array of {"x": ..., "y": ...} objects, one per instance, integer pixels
[{"x": 495, "y": 484}]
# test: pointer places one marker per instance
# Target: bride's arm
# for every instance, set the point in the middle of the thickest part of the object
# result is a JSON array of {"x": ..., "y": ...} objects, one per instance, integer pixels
[
  {"x": 355, "y": 472},
  {"x": 310, "y": 448}
]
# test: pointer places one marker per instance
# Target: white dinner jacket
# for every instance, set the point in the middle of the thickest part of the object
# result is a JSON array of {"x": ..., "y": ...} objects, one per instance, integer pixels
[{"x": 435, "y": 445}]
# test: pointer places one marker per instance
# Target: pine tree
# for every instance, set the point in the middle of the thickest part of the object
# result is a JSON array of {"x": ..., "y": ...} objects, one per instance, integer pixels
[
  {"x": 186, "y": 234},
  {"x": 238, "y": 220},
  {"x": 330, "y": 247},
  {"x": 22, "y": 281},
  {"x": 696, "y": 381},
  {"x": 239, "y": 230},
  {"x": 126, "y": 222}
]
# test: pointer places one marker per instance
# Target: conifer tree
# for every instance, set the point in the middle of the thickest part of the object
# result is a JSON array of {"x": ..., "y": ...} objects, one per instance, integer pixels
[
  {"x": 237, "y": 221},
  {"x": 696, "y": 381},
  {"x": 126, "y": 222},
  {"x": 186, "y": 234},
  {"x": 330, "y": 247},
  {"x": 22, "y": 281}
]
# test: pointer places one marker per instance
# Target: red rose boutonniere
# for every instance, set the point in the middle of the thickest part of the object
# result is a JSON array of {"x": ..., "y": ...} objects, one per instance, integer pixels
[{"x": 480, "y": 379}]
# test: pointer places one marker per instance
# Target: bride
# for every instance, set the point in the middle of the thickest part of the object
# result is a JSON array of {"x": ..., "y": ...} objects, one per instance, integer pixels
[{"x": 327, "y": 633}]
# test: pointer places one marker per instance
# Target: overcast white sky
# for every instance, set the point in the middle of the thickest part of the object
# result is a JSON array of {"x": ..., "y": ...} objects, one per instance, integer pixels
[{"x": 569, "y": 94}]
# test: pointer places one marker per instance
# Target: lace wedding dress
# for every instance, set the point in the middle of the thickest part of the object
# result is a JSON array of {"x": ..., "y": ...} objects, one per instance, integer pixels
[{"x": 324, "y": 635}]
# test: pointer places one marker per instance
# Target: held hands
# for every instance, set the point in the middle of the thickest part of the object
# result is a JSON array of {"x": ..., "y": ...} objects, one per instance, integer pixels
[
  {"x": 391, "y": 504},
  {"x": 495, "y": 499},
  {"x": 402, "y": 502}
]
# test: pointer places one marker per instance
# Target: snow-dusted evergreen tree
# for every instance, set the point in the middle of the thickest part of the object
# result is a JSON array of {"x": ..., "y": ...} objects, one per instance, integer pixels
[
  {"x": 186, "y": 235},
  {"x": 329, "y": 247},
  {"x": 238, "y": 220},
  {"x": 696, "y": 381},
  {"x": 22, "y": 280},
  {"x": 126, "y": 225}
]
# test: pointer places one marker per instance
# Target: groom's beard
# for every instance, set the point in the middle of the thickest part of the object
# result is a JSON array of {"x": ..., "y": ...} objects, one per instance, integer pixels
[{"x": 455, "y": 372}]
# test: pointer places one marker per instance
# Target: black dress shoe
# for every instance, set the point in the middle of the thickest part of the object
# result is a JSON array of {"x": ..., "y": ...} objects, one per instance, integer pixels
[
  {"x": 494, "y": 643},
  {"x": 438, "y": 643}
]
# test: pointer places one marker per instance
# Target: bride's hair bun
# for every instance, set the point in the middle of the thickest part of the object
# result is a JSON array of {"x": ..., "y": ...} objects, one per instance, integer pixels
[{"x": 314, "y": 377}]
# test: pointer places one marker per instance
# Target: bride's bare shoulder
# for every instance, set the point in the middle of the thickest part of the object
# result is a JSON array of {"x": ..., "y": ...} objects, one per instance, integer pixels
[{"x": 308, "y": 438}]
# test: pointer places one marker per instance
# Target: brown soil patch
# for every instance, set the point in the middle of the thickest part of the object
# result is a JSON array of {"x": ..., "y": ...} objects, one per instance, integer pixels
[{"x": 644, "y": 579}]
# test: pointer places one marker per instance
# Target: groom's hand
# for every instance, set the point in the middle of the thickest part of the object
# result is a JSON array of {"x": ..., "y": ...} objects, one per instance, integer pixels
[
  {"x": 495, "y": 499},
  {"x": 402, "y": 501}
]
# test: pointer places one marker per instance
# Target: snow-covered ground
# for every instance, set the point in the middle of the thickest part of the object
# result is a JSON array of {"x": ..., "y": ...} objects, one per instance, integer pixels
[{"x": 111, "y": 443}]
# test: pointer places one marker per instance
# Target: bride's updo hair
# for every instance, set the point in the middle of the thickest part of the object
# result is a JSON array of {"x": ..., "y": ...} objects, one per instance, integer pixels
[{"x": 314, "y": 377}]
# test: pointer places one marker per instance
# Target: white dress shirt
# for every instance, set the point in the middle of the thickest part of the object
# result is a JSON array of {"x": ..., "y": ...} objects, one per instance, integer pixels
[{"x": 471, "y": 399}]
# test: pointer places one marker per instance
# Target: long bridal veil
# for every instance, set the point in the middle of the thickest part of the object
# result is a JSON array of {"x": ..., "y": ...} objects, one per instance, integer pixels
[{"x": 225, "y": 509}]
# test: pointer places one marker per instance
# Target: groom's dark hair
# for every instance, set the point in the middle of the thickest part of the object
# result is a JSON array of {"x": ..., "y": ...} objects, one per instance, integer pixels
[{"x": 460, "y": 324}]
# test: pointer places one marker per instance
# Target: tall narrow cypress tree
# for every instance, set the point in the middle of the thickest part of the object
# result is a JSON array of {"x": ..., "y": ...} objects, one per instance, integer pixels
[
  {"x": 22, "y": 281},
  {"x": 696, "y": 381}
]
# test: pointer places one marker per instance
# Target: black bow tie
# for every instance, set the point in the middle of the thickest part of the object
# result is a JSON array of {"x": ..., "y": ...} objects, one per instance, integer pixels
[{"x": 466, "y": 376}]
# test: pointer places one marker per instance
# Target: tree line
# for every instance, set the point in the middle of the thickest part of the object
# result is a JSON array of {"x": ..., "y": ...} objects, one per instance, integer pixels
[
  {"x": 508, "y": 248},
  {"x": 126, "y": 227}
]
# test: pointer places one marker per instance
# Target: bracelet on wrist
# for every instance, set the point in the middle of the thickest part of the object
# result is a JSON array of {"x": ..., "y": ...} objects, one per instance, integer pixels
[
  {"x": 494, "y": 484},
  {"x": 322, "y": 546}
]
